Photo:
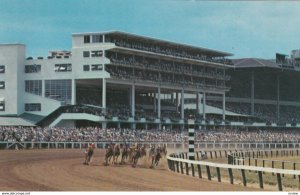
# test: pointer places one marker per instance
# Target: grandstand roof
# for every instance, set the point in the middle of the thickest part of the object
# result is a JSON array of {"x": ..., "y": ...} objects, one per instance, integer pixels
[
  {"x": 254, "y": 62},
  {"x": 214, "y": 53}
]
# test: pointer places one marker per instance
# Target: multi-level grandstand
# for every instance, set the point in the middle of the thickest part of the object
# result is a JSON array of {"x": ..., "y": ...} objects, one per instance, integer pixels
[
  {"x": 117, "y": 79},
  {"x": 110, "y": 79}
]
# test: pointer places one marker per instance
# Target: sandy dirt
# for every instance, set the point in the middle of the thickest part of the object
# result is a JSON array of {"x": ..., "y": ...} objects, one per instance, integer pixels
[{"x": 63, "y": 170}]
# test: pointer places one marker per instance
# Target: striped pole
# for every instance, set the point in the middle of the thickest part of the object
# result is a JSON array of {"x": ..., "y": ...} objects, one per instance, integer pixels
[{"x": 191, "y": 126}]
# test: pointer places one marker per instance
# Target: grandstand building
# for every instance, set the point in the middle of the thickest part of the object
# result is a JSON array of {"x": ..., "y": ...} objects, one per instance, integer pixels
[
  {"x": 111, "y": 79},
  {"x": 263, "y": 93}
]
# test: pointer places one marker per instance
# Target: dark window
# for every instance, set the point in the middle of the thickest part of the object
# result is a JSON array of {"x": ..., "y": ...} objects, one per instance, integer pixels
[
  {"x": 32, "y": 68},
  {"x": 97, "y": 53},
  {"x": 60, "y": 90},
  {"x": 87, "y": 39},
  {"x": 97, "y": 38},
  {"x": 63, "y": 67},
  {"x": 97, "y": 67},
  {"x": 34, "y": 87},
  {"x": 86, "y": 54},
  {"x": 2, "y": 106},
  {"x": 33, "y": 107},
  {"x": 2, "y": 84},
  {"x": 2, "y": 69},
  {"x": 86, "y": 67}
]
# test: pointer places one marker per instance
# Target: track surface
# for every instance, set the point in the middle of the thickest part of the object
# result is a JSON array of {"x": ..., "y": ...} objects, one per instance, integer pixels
[{"x": 63, "y": 170}]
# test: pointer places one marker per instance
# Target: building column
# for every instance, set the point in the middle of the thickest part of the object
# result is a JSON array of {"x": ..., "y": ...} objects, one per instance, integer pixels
[
  {"x": 104, "y": 95},
  {"x": 158, "y": 104},
  {"x": 176, "y": 101},
  {"x": 182, "y": 104},
  {"x": 73, "y": 92},
  {"x": 172, "y": 98},
  {"x": 224, "y": 104},
  {"x": 252, "y": 93},
  {"x": 154, "y": 102},
  {"x": 203, "y": 104},
  {"x": 198, "y": 103},
  {"x": 44, "y": 88},
  {"x": 132, "y": 101},
  {"x": 278, "y": 98}
]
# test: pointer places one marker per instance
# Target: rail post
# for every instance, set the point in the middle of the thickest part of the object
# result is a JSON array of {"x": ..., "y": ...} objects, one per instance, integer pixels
[
  {"x": 244, "y": 177},
  {"x": 193, "y": 170},
  {"x": 191, "y": 126},
  {"x": 230, "y": 175},
  {"x": 279, "y": 182},
  {"x": 260, "y": 177},
  {"x": 282, "y": 166},
  {"x": 208, "y": 172},
  {"x": 181, "y": 167},
  {"x": 187, "y": 168},
  {"x": 218, "y": 174},
  {"x": 199, "y": 171},
  {"x": 294, "y": 168}
]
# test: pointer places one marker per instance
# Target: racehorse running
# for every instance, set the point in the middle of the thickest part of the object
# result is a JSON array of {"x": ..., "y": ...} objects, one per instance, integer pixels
[
  {"x": 164, "y": 151},
  {"x": 125, "y": 153},
  {"x": 151, "y": 152},
  {"x": 89, "y": 154},
  {"x": 155, "y": 158},
  {"x": 109, "y": 153},
  {"x": 116, "y": 154},
  {"x": 135, "y": 157}
]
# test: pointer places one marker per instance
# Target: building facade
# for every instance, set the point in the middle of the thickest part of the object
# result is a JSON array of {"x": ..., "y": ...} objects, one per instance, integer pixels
[{"x": 110, "y": 78}]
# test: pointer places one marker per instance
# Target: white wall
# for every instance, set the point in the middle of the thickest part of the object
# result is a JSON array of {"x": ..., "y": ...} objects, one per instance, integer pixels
[{"x": 12, "y": 56}]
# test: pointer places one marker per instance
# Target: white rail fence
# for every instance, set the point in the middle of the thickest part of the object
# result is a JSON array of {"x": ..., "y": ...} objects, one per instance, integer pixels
[
  {"x": 238, "y": 162},
  {"x": 172, "y": 145}
]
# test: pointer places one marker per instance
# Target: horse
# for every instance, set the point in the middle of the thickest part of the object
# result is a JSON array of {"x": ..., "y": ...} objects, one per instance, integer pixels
[
  {"x": 109, "y": 153},
  {"x": 151, "y": 152},
  {"x": 143, "y": 151},
  {"x": 131, "y": 152},
  {"x": 125, "y": 153},
  {"x": 116, "y": 154},
  {"x": 155, "y": 158},
  {"x": 89, "y": 153},
  {"x": 164, "y": 151},
  {"x": 136, "y": 156}
]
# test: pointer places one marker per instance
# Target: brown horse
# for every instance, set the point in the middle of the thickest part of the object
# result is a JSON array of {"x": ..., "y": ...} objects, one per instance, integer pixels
[
  {"x": 109, "y": 154},
  {"x": 116, "y": 154}
]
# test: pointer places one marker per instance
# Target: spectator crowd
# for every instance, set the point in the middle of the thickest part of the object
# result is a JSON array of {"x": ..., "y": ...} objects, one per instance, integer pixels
[{"x": 59, "y": 134}]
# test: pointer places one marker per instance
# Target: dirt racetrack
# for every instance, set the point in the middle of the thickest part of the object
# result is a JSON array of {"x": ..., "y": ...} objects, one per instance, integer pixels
[{"x": 63, "y": 170}]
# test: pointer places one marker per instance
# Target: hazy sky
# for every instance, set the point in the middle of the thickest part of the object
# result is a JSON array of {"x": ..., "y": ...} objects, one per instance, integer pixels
[{"x": 244, "y": 28}]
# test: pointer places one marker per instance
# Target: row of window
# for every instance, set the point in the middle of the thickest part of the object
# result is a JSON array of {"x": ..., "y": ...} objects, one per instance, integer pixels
[
  {"x": 95, "y": 38},
  {"x": 28, "y": 107},
  {"x": 95, "y": 53},
  {"x": 2, "y": 69},
  {"x": 55, "y": 89},
  {"x": 93, "y": 67}
]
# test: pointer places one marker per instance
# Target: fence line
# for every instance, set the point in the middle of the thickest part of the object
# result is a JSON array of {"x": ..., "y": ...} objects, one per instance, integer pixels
[
  {"x": 174, "y": 160},
  {"x": 174, "y": 145}
]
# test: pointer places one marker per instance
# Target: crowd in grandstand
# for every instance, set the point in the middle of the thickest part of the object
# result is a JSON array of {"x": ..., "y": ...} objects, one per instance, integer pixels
[
  {"x": 165, "y": 50},
  {"x": 57, "y": 134}
]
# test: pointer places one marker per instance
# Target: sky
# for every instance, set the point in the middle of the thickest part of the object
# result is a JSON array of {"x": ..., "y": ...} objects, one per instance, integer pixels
[{"x": 244, "y": 28}]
